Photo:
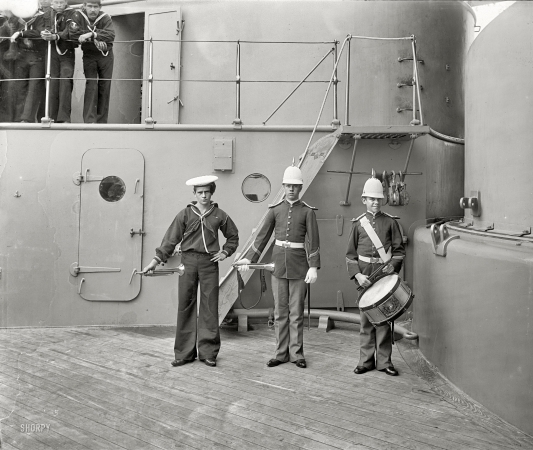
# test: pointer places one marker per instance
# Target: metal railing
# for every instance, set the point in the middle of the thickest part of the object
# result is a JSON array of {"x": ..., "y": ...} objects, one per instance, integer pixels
[{"x": 417, "y": 113}]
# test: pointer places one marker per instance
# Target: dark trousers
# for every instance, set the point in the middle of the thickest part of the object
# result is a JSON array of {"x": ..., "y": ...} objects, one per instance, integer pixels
[
  {"x": 28, "y": 93},
  {"x": 61, "y": 66},
  {"x": 289, "y": 299},
  {"x": 375, "y": 341},
  {"x": 97, "y": 90},
  {"x": 7, "y": 101},
  {"x": 197, "y": 331}
]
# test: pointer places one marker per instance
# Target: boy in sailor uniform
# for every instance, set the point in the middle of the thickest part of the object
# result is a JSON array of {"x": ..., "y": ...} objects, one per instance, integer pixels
[
  {"x": 362, "y": 258},
  {"x": 29, "y": 67},
  {"x": 196, "y": 228},
  {"x": 96, "y": 35},
  {"x": 294, "y": 225},
  {"x": 64, "y": 26}
]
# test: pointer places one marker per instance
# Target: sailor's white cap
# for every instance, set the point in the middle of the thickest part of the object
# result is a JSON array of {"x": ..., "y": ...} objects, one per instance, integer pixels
[{"x": 201, "y": 181}]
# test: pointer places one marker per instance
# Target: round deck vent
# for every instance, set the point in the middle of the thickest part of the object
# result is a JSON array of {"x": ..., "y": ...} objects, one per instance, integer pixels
[
  {"x": 256, "y": 187},
  {"x": 112, "y": 189}
]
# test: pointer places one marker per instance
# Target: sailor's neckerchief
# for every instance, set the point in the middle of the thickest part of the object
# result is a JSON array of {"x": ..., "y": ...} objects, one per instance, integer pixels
[
  {"x": 200, "y": 222},
  {"x": 93, "y": 28},
  {"x": 26, "y": 24}
]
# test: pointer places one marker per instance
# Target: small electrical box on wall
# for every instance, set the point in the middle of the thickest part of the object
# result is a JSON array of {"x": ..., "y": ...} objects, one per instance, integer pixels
[{"x": 223, "y": 153}]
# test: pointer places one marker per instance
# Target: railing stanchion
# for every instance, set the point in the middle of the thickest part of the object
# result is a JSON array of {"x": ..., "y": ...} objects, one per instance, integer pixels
[
  {"x": 347, "y": 112},
  {"x": 417, "y": 81},
  {"x": 149, "y": 119},
  {"x": 335, "y": 122},
  {"x": 237, "y": 121},
  {"x": 46, "y": 119}
]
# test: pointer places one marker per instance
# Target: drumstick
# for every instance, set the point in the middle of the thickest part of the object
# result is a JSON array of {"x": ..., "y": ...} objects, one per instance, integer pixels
[{"x": 373, "y": 274}]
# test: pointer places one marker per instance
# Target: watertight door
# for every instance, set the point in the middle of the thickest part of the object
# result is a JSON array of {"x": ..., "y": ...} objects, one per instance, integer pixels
[
  {"x": 111, "y": 220},
  {"x": 164, "y": 28}
]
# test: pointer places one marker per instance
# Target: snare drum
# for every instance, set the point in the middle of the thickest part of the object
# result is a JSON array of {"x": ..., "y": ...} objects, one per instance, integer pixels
[{"x": 386, "y": 299}]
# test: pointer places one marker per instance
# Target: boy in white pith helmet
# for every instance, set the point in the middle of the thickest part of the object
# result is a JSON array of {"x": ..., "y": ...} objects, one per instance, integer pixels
[
  {"x": 294, "y": 224},
  {"x": 362, "y": 258}
]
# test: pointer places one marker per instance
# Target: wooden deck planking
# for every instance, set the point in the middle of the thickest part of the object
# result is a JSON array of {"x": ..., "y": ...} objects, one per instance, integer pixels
[
  {"x": 53, "y": 438},
  {"x": 123, "y": 363},
  {"x": 21, "y": 441},
  {"x": 166, "y": 426},
  {"x": 129, "y": 339},
  {"x": 261, "y": 365},
  {"x": 470, "y": 443},
  {"x": 234, "y": 402},
  {"x": 71, "y": 430},
  {"x": 290, "y": 438},
  {"x": 98, "y": 395}
]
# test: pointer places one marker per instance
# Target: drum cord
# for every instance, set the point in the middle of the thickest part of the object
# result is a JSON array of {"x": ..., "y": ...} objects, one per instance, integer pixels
[{"x": 263, "y": 289}]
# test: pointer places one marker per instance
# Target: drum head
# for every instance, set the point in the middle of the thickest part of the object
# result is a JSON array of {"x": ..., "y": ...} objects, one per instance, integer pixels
[{"x": 380, "y": 289}]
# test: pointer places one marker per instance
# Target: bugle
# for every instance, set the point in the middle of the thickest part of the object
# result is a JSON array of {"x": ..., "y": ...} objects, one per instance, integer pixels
[{"x": 269, "y": 267}]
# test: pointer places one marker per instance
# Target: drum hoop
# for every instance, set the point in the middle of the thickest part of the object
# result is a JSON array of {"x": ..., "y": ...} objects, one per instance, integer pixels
[{"x": 384, "y": 299}]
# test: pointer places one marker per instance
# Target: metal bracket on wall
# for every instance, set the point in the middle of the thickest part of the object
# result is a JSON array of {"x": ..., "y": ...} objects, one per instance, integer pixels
[
  {"x": 340, "y": 224},
  {"x": 473, "y": 203},
  {"x": 340, "y": 301},
  {"x": 441, "y": 238}
]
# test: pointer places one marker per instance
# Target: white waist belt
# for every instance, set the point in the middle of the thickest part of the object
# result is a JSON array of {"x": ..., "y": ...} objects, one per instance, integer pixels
[
  {"x": 370, "y": 260},
  {"x": 287, "y": 244}
]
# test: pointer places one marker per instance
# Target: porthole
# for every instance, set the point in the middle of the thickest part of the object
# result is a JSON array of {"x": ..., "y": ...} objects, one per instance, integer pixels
[
  {"x": 112, "y": 189},
  {"x": 256, "y": 188}
]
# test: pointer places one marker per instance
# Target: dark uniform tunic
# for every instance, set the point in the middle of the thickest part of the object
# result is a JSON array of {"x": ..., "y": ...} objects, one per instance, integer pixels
[
  {"x": 376, "y": 342},
  {"x": 65, "y": 25},
  {"x": 97, "y": 67},
  {"x": 30, "y": 69},
  {"x": 198, "y": 235},
  {"x": 291, "y": 223}
]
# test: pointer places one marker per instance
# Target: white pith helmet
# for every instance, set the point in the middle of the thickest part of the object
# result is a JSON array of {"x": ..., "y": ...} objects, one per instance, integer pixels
[
  {"x": 292, "y": 175},
  {"x": 373, "y": 188}
]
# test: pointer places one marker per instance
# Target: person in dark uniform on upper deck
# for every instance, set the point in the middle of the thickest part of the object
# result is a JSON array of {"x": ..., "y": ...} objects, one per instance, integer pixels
[
  {"x": 196, "y": 227},
  {"x": 6, "y": 67},
  {"x": 29, "y": 67},
  {"x": 96, "y": 36},
  {"x": 294, "y": 225},
  {"x": 65, "y": 24},
  {"x": 362, "y": 258}
]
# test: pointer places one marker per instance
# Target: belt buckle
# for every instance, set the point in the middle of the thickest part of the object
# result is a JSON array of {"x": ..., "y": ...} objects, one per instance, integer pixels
[{"x": 286, "y": 244}]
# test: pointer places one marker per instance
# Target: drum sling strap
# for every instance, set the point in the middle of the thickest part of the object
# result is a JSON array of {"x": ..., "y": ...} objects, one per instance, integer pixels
[{"x": 385, "y": 256}]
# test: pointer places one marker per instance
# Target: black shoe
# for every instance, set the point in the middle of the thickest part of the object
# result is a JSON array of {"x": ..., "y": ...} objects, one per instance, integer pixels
[
  {"x": 390, "y": 371},
  {"x": 301, "y": 363},
  {"x": 209, "y": 362},
  {"x": 274, "y": 362},
  {"x": 181, "y": 362},
  {"x": 361, "y": 369}
]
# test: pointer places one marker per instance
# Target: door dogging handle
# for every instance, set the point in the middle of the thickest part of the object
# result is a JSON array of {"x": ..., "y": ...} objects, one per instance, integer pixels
[
  {"x": 76, "y": 269},
  {"x": 140, "y": 232},
  {"x": 180, "y": 270}
]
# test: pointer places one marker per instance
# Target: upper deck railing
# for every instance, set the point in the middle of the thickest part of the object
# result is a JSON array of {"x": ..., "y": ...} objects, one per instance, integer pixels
[{"x": 149, "y": 79}]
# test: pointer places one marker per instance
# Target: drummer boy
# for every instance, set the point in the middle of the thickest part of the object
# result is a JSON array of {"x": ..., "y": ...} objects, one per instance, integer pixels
[{"x": 366, "y": 252}]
